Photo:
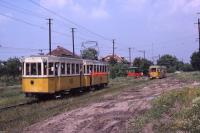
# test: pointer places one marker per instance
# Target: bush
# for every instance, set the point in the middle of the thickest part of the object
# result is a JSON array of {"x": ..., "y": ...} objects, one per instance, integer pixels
[
  {"x": 118, "y": 70},
  {"x": 187, "y": 67}
]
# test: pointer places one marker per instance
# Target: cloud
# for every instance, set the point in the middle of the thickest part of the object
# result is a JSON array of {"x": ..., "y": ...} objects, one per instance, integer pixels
[
  {"x": 99, "y": 13},
  {"x": 92, "y": 9},
  {"x": 133, "y": 5},
  {"x": 55, "y": 3}
]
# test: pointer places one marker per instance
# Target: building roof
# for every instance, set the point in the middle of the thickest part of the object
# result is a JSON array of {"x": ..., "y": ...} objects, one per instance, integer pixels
[
  {"x": 116, "y": 57},
  {"x": 62, "y": 52}
]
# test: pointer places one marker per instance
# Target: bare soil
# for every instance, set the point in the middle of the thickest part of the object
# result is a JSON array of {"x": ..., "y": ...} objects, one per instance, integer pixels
[{"x": 112, "y": 114}]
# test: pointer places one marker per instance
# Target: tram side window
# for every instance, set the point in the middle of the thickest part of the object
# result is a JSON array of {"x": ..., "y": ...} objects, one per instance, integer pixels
[
  {"x": 51, "y": 68},
  {"x": 27, "y": 69},
  {"x": 77, "y": 68},
  {"x": 63, "y": 68},
  {"x": 45, "y": 68},
  {"x": 73, "y": 68},
  {"x": 91, "y": 69},
  {"x": 33, "y": 69},
  {"x": 39, "y": 69},
  {"x": 84, "y": 69},
  {"x": 68, "y": 69},
  {"x": 95, "y": 68},
  {"x": 88, "y": 69}
]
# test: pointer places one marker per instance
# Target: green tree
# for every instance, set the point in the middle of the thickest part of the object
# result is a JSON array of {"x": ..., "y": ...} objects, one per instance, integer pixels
[
  {"x": 143, "y": 64},
  {"x": 195, "y": 60},
  {"x": 171, "y": 62},
  {"x": 2, "y": 69},
  {"x": 118, "y": 70},
  {"x": 90, "y": 53},
  {"x": 13, "y": 66},
  {"x": 187, "y": 67}
]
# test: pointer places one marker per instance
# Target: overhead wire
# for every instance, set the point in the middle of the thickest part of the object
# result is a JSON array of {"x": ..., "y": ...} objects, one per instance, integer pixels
[{"x": 68, "y": 20}]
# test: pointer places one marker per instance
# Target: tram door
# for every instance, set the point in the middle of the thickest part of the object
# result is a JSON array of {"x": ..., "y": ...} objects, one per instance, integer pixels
[{"x": 57, "y": 75}]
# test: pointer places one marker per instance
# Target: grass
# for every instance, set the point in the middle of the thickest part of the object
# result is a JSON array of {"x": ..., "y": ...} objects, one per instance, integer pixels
[
  {"x": 191, "y": 76},
  {"x": 172, "y": 112},
  {"x": 27, "y": 115}
]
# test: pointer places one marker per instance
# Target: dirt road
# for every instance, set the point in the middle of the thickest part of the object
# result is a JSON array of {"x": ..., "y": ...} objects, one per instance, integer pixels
[{"x": 112, "y": 113}]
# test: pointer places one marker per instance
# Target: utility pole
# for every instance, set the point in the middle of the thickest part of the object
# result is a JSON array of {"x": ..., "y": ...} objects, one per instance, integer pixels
[
  {"x": 199, "y": 32},
  {"x": 113, "y": 48},
  {"x": 129, "y": 49},
  {"x": 49, "y": 22},
  {"x": 73, "y": 40}
]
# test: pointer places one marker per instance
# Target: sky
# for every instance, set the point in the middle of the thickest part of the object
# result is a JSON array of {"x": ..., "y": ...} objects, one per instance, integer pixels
[{"x": 157, "y": 26}]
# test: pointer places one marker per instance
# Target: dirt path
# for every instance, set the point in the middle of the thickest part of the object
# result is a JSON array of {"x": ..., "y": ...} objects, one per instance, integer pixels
[{"x": 110, "y": 115}]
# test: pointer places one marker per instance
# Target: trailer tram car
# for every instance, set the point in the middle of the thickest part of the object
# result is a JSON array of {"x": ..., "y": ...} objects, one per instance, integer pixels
[{"x": 50, "y": 75}]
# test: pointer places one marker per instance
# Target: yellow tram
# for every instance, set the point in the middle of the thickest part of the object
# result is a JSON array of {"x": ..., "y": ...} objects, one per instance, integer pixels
[
  {"x": 157, "y": 72},
  {"x": 50, "y": 74}
]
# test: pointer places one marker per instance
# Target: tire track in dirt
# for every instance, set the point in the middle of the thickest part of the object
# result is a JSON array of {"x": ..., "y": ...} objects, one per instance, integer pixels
[{"x": 111, "y": 114}]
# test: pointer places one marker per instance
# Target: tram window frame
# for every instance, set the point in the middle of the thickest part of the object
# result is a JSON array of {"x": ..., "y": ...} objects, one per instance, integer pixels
[
  {"x": 27, "y": 68},
  {"x": 77, "y": 68},
  {"x": 68, "y": 68},
  {"x": 62, "y": 67},
  {"x": 51, "y": 68},
  {"x": 73, "y": 68},
  {"x": 23, "y": 68},
  {"x": 44, "y": 68},
  {"x": 33, "y": 68}
]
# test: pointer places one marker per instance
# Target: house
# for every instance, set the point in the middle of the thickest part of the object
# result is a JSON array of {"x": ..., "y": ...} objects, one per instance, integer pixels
[
  {"x": 119, "y": 59},
  {"x": 62, "y": 52}
]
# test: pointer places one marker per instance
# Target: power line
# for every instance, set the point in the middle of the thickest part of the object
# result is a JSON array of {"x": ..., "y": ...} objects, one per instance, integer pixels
[
  {"x": 33, "y": 25},
  {"x": 13, "y": 7},
  {"x": 68, "y": 20}
]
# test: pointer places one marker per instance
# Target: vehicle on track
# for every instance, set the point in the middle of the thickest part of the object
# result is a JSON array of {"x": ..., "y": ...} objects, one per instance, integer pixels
[
  {"x": 157, "y": 72},
  {"x": 134, "y": 72},
  {"x": 48, "y": 75}
]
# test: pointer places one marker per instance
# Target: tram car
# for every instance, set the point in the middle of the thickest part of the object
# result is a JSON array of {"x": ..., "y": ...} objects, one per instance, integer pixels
[
  {"x": 48, "y": 75},
  {"x": 157, "y": 72},
  {"x": 134, "y": 72}
]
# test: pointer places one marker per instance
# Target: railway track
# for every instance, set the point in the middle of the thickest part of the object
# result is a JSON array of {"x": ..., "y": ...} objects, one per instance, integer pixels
[{"x": 18, "y": 105}]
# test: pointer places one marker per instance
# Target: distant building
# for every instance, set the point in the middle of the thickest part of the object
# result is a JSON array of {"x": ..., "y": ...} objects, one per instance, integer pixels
[
  {"x": 62, "y": 52},
  {"x": 119, "y": 59}
]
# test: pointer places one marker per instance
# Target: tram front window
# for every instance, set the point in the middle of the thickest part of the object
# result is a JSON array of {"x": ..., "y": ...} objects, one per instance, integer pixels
[
  {"x": 33, "y": 69},
  {"x": 153, "y": 69}
]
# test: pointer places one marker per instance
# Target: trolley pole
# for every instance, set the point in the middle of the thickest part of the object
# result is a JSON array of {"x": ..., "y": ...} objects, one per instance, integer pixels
[
  {"x": 49, "y": 22},
  {"x": 73, "y": 40},
  {"x": 144, "y": 53},
  {"x": 113, "y": 48},
  {"x": 199, "y": 32}
]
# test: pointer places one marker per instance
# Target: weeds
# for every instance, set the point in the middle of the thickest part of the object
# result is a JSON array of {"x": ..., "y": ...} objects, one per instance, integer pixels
[{"x": 172, "y": 112}]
